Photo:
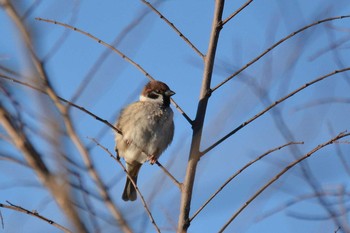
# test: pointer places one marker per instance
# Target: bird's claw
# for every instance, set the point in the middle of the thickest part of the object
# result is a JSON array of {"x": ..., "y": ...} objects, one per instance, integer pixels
[
  {"x": 128, "y": 141},
  {"x": 152, "y": 159}
]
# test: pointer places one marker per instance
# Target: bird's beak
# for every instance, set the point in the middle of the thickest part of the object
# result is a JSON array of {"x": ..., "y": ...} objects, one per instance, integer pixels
[{"x": 169, "y": 93}]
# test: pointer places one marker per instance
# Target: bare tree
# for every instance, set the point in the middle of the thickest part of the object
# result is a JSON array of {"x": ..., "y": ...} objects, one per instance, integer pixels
[{"x": 286, "y": 92}]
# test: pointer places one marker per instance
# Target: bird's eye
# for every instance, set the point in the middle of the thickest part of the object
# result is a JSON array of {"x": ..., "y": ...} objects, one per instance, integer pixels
[{"x": 153, "y": 95}]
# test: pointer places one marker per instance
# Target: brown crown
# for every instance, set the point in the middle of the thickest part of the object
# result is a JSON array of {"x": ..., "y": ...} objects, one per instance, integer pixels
[{"x": 157, "y": 86}]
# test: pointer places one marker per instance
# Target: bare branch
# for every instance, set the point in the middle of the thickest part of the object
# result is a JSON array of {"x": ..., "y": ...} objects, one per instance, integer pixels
[
  {"x": 236, "y": 12},
  {"x": 275, "y": 45},
  {"x": 30, "y": 10},
  {"x": 133, "y": 183},
  {"x": 104, "y": 55},
  {"x": 60, "y": 41},
  {"x": 238, "y": 172},
  {"x": 115, "y": 50},
  {"x": 296, "y": 200},
  {"x": 33, "y": 158},
  {"x": 324, "y": 101},
  {"x": 175, "y": 28},
  {"x": 91, "y": 168},
  {"x": 34, "y": 213},
  {"x": 270, "y": 107},
  {"x": 100, "y": 42},
  {"x": 178, "y": 184},
  {"x": 186, "y": 194},
  {"x": 181, "y": 111},
  {"x": 91, "y": 114},
  {"x": 340, "y": 154},
  {"x": 14, "y": 160},
  {"x": 287, "y": 168},
  {"x": 63, "y": 100},
  {"x": 89, "y": 207},
  {"x": 70, "y": 131}
]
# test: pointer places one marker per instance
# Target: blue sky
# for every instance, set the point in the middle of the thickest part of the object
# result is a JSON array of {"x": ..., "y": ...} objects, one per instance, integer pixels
[{"x": 159, "y": 50}]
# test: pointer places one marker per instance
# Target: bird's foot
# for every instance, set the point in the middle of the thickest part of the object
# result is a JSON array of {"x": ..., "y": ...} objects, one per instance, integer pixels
[
  {"x": 152, "y": 159},
  {"x": 117, "y": 153},
  {"x": 128, "y": 141}
]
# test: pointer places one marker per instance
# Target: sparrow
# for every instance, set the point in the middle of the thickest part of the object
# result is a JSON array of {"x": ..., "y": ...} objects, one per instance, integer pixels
[{"x": 147, "y": 129}]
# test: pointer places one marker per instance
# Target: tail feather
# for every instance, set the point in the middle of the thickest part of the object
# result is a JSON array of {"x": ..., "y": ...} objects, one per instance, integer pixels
[{"x": 129, "y": 193}]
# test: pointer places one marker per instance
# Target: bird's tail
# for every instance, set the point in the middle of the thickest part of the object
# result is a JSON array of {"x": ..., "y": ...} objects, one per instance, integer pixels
[{"x": 129, "y": 193}]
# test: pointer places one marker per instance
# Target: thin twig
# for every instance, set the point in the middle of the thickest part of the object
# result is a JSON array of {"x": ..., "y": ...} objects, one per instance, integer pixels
[
  {"x": 323, "y": 101},
  {"x": 31, "y": 9},
  {"x": 123, "y": 35},
  {"x": 132, "y": 181},
  {"x": 175, "y": 28},
  {"x": 91, "y": 114},
  {"x": 178, "y": 184},
  {"x": 139, "y": 67},
  {"x": 238, "y": 172},
  {"x": 35, "y": 214},
  {"x": 100, "y": 42},
  {"x": 86, "y": 200},
  {"x": 34, "y": 159},
  {"x": 236, "y": 12},
  {"x": 64, "y": 36},
  {"x": 62, "y": 99},
  {"x": 2, "y": 220},
  {"x": 343, "y": 158},
  {"x": 274, "y": 46},
  {"x": 294, "y": 201},
  {"x": 182, "y": 112},
  {"x": 272, "y": 106},
  {"x": 287, "y": 168},
  {"x": 14, "y": 160},
  {"x": 39, "y": 67}
]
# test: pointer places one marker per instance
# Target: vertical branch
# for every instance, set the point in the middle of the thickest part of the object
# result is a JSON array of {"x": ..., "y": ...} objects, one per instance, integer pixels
[{"x": 186, "y": 192}]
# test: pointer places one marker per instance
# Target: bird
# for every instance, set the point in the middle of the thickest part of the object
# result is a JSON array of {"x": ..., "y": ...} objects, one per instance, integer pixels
[{"x": 147, "y": 129}]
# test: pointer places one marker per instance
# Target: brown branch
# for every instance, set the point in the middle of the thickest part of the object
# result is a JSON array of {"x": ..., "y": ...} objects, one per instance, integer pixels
[
  {"x": 287, "y": 168},
  {"x": 86, "y": 200},
  {"x": 316, "y": 103},
  {"x": 194, "y": 156},
  {"x": 34, "y": 213},
  {"x": 181, "y": 111},
  {"x": 61, "y": 99},
  {"x": 106, "y": 52},
  {"x": 133, "y": 183},
  {"x": 297, "y": 200},
  {"x": 176, "y": 182},
  {"x": 14, "y": 160},
  {"x": 238, "y": 172},
  {"x": 275, "y": 45},
  {"x": 90, "y": 166},
  {"x": 236, "y": 12},
  {"x": 122, "y": 55},
  {"x": 31, "y": 9},
  {"x": 174, "y": 28},
  {"x": 340, "y": 154},
  {"x": 33, "y": 158},
  {"x": 64, "y": 36},
  {"x": 270, "y": 107},
  {"x": 70, "y": 131},
  {"x": 139, "y": 67}
]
